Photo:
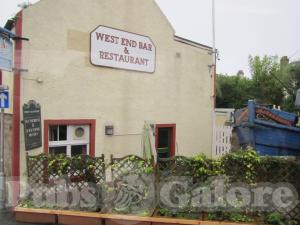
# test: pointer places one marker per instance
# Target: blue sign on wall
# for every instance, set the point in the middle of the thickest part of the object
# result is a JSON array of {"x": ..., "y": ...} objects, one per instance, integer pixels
[
  {"x": 6, "y": 53},
  {"x": 4, "y": 100}
]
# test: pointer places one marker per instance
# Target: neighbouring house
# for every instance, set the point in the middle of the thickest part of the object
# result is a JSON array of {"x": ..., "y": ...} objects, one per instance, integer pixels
[{"x": 98, "y": 70}]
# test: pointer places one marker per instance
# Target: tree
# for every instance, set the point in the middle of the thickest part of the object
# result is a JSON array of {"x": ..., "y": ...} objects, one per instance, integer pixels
[
  {"x": 271, "y": 83},
  {"x": 233, "y": 91},
  {"x": 291, "y": 74},
  {"x": 268, "y": 87}
]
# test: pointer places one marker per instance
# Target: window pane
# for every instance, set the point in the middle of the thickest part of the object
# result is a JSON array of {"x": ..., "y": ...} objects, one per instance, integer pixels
[
  {"x": 78, "y": 150},
  {"x": 53, "y": 133},
  {"x": 58, "y": 150},
  {"x": 62, "y": 133}
]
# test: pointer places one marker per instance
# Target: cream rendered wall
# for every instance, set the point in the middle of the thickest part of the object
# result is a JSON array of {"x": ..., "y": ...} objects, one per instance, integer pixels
[{"x": 58, "y": 53}]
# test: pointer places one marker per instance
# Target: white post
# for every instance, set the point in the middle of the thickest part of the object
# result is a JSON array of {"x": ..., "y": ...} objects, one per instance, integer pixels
[
  {"x": 213, "y": 78},
  {"x": 213, "y": 31},
  {"x": 214, "y": 54}
]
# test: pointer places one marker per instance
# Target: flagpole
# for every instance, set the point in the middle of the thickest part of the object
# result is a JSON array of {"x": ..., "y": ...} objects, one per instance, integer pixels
[
  {"x": 214, "y": 51},
  {"x": 214, "y": 29},
  {"x": 213, "y": 76}
]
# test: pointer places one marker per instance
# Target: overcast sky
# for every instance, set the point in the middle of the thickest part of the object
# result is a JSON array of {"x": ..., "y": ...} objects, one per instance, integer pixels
[{"x": 243, "y": 27}]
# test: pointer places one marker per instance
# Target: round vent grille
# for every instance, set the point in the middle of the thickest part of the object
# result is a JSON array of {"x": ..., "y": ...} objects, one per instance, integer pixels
[{"x": 79, "y": 132}]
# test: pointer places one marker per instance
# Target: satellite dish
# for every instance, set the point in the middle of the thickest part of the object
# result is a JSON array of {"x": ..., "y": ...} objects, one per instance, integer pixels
[{"x": 297, "y": 102}]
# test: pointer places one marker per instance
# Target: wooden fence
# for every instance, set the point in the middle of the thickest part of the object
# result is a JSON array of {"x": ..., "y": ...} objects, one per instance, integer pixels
[
  {"x": 221, "y": 140},
  {"x": 274, "y": 170}
]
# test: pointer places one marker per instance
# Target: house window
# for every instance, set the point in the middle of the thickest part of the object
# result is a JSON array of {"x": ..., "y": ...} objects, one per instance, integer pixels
[{"x": 71, "y": 140}]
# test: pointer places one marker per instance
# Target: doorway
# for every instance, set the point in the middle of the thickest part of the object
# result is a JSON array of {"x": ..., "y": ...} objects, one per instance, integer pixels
[{"x": 165, "y": 139}]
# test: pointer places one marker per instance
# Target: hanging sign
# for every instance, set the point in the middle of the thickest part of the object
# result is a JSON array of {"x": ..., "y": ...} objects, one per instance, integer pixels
[
  {"x": 119, "y": 49},
  {"x": 6, "y": 53},
  {"x": 32, "y": 125}
]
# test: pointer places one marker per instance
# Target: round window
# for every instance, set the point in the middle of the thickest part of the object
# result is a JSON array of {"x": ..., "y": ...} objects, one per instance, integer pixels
[{"x": 79, "y": 132}]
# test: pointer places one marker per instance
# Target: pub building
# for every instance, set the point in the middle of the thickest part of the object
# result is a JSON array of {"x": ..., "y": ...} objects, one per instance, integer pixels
[{"x": 94, "y": 72}]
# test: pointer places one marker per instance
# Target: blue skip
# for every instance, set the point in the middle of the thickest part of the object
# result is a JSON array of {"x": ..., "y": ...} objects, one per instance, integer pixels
[{"x": 271, "y": 132}]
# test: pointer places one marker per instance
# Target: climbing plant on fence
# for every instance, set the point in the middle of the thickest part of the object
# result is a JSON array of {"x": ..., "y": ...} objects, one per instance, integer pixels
[
  {"x": 249, "y": 167},
  {"x": 124, "y": 195},
  {"x": 281, "y": 170},
  {"x": 46, "y": 168},
  {"x": 37, "y": 169},
  {"x": 175, "y": 166},
  {"x": 130, "y": 164},
  {"x": 199, "y": 167},
  {"x": 49, "y": 175},
  {"x": 131, "y": 190},
  {"x": 241, "y": 166},
  {"x": 192, "y": 171}
]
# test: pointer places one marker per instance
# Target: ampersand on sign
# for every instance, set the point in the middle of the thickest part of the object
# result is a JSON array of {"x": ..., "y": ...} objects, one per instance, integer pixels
[{"x": 126, "y": 51}]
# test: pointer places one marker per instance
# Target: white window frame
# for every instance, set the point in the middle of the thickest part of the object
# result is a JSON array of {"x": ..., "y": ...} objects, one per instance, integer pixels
[{"x": 70, "y": 140}]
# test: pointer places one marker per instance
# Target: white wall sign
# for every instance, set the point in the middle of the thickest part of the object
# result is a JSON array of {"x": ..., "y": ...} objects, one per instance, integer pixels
[
  {"x": 119, "y": 49},
  {"x": 6, "y": 53}
]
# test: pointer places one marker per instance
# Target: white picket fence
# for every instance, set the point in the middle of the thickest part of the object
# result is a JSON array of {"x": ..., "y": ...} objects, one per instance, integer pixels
[{"x": 221, "y": 140}]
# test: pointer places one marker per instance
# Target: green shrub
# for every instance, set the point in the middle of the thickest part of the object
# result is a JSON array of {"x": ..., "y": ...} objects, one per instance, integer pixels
[
  {"x": 229, "y": 216},
  {"x": 188, "y": 214},
  {"x": 241, "y": 165},
  {"x": 205, "y": 167},
  {"x": 275, "y": 218},
  {"x": 238, "y": 217}
]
